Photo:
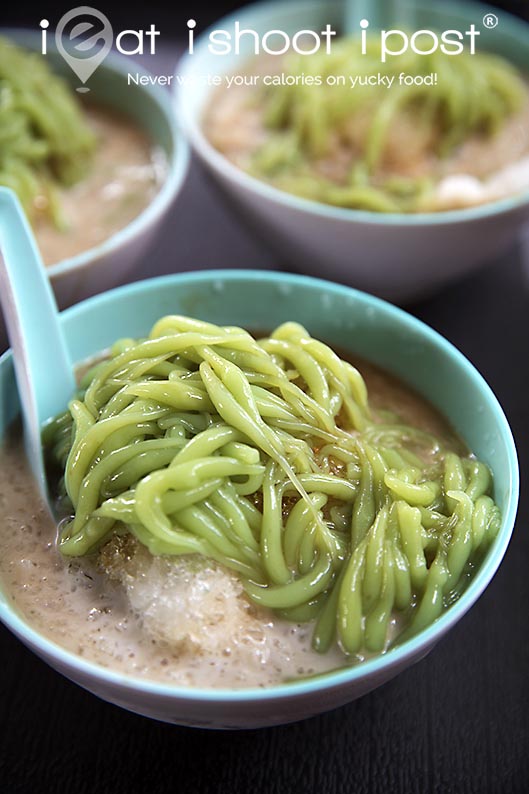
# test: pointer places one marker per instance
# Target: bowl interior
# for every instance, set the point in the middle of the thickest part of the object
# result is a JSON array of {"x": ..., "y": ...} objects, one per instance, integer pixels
[
  {"x": 510, "y": 38},
  {"x": 148, "y": 106},
  {"x": 109, "y": 86}
]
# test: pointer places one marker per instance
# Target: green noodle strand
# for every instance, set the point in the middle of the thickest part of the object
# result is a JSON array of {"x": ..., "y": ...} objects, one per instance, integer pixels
[
  {"x": 306, "y": 125},
  {"x": 266, "y": 457},
  {"x": 45, "y": 143}
]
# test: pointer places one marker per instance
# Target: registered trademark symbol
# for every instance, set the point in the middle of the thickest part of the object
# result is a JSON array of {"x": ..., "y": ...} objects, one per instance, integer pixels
[{"x": 490, "y": 21}]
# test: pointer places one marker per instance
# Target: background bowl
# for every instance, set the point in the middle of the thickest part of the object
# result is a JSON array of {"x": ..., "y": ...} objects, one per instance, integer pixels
[
  {"x": 347, "y": 319},
  {"x": 150, "y": 108},
  {"x": 398, "y": 256}
]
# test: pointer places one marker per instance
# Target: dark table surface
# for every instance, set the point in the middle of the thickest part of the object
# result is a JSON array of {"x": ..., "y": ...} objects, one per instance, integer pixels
[{"x": 456, "y": 722}]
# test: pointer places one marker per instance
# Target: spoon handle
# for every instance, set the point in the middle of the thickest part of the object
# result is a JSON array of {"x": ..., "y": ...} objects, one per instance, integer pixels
[{"x": 42, "y": 365}]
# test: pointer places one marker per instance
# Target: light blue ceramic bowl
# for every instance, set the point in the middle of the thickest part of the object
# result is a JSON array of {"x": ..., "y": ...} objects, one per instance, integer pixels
[
  {"x": 150, "y": 108},
  {"x": 352, "y": 321},
  {"x": 397, "y": 256}
]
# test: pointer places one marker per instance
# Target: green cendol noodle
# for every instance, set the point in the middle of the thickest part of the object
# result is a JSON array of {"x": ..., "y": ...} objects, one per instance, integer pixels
[
  {"x": 44, "y": 140},
  {"x": 474, "y": 95},
  {"x": 265, "y": 456}
]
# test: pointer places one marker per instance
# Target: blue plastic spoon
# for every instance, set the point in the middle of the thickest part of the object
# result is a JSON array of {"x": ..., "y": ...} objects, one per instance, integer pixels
[{"x": 42, "y": 366}]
